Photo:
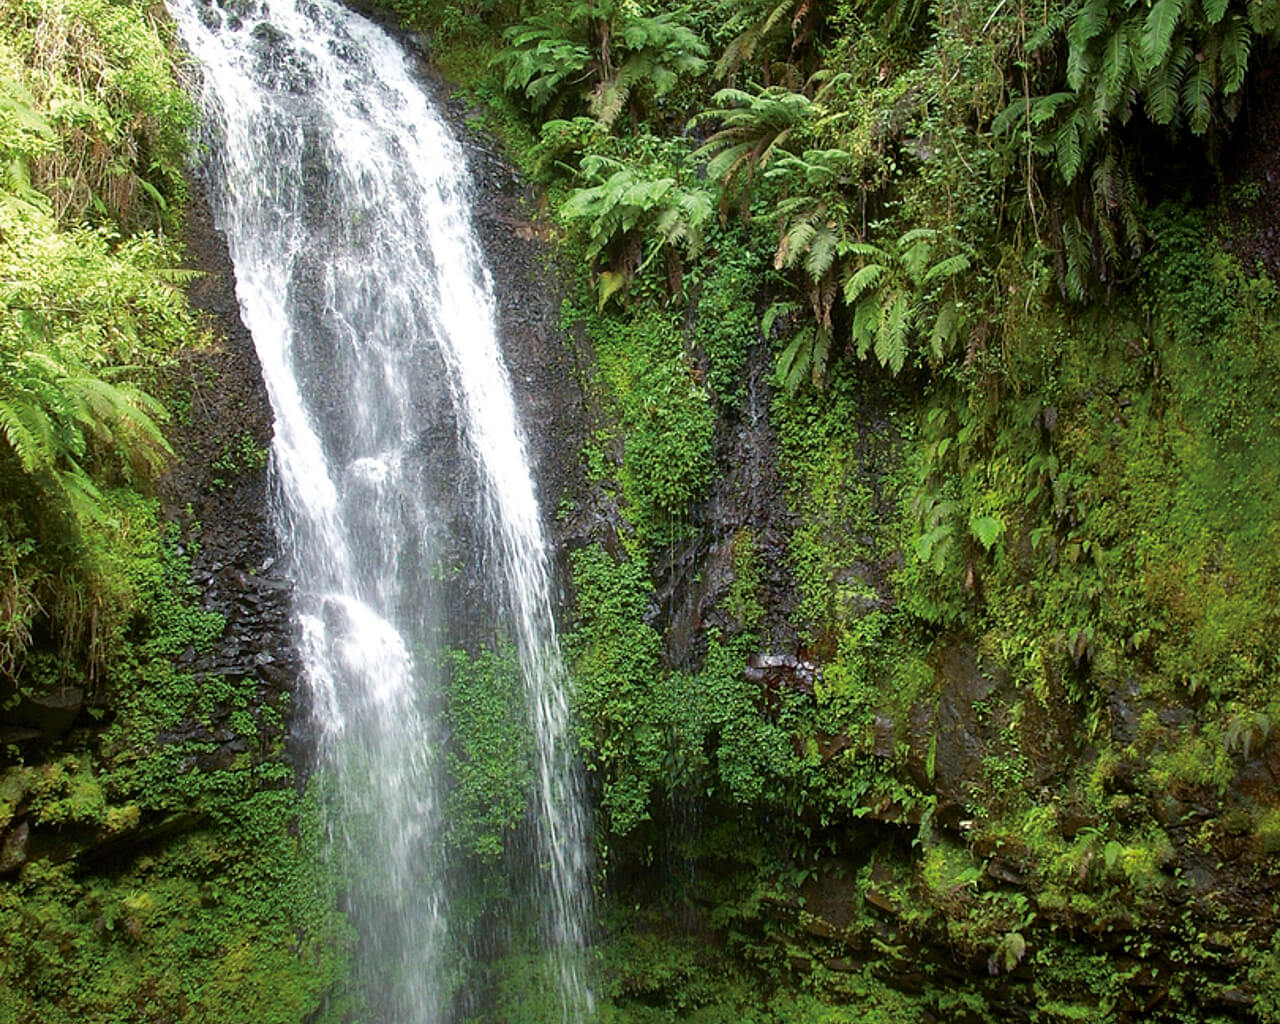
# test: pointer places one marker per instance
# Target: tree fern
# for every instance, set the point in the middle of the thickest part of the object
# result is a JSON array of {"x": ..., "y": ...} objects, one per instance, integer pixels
[
  {"x": 600, "y": 54},
  {"x": 627, "y": 210},
  {"x": 754, "y": 127},
  {"x": 766, "y": 25}
]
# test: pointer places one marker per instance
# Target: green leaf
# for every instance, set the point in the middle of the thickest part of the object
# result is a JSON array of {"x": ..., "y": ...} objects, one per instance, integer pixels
[
  {"x": 1088, "y": 23},
  {"x": 611, "y": 281},
  {"x": 1237, "y": 40},
  {"x": 986, "y": 530},
  {"x": 822, "y": 251},
  {"x": 863, "y": 280},
  {"x": 1068, "y": 150},
  {"x": 1197, "y": 98},
  {"x": 1158, "y": 29},
  {"x": 1214, "y": 10},
  {"x": 945, "y": 329},
  {"x": 891, "y": 337},
  {"x": 1164, "y": 84},
  {"x": 947, "y": 268}
]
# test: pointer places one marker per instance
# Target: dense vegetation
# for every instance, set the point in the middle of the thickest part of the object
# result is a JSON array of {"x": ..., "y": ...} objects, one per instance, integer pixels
[
  {"x": 156, "y": 863},
  {"x": 971, "y": 720},
  {"x": 975, "y": 722}
]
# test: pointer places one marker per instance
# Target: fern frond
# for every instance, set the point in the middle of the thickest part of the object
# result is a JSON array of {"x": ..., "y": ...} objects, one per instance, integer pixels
[
  {"x": 28, "y": 433},
  {"x": 1067, "y": 148},
  {"x": 1163, "y": 85},
  {"x": 1197, "y": 98},
  {"x": 891, "y": 338},
  {"x": 1233, "y": 57},
  {"x": 947, "y": 268},
  {"x": 1090, "y": 22},
  {"x": 1157, "y": 31},
  {"x": 1214, "y": 10},
  {"x": 822, "y": 251},
  {"x": 793, "y": 243},
  {"x": 862, "y": 281}
]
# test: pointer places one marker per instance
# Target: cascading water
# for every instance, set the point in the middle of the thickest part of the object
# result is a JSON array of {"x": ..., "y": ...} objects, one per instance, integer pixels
[{"x": 344, "y": 202}]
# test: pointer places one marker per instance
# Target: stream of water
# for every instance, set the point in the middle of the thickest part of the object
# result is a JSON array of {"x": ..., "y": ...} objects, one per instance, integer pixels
[{"x": 403, "y": 494}]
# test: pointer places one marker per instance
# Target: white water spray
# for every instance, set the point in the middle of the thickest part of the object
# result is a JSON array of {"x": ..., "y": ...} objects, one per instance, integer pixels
[{"x": 344, "y": 200}]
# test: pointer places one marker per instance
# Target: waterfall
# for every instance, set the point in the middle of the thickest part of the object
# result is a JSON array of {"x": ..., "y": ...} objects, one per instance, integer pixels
[{"x": 402, "y": 488}]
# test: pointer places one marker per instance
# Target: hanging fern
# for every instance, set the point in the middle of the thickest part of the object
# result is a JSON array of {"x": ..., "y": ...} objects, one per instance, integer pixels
[
  {"x": 1182, "y": 63},
  {"x": 900, "y": 291}
]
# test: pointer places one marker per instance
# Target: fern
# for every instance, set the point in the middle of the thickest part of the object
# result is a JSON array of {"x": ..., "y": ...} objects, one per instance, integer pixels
[
  {"x": 628, "y": 207},
  {"x": 896, "y": 291},
  {"x": 1163, "y": 85},
  {"x": 1157, "y": 31},
  {"x": 1197, "y": 98},
  {"x": 1214, "y": 10},
  {"x": 601, "y": 54},
  {"x": 765, "y": 25},
  {"x": 754, "y": 127},
  {"x": 1233, "y": 56}
]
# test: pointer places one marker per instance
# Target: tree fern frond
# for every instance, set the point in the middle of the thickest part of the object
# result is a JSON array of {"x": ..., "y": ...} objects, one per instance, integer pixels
[
  {"x": 822, "y": 251},
  {"x": 891, "y": 338},
  {"x": 863, "y": 280},
  {"x": 1089, "y": 22},
  {"x": 1197, "y": 98},
  {"x": 793, "y": 244},
  {"x": 947, "y": 268},
  {"x": 1163, "y": 85},
  {"x": 27, "y": 432},
  {"x": 1068, "y": 149}
]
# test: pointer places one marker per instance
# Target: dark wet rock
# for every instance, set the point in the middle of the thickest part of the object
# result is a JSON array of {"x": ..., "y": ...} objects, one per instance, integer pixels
[
  {"x": 884, "y": 737},
  {"x": 1123, "y": 703},
  {"x": 420, "y": 43},
  {"x": 13, "y": 851},
  {"x": 963, "y": 683},
  {"x": 44, "y": 717},
  {"x": 783, "y": 672}
]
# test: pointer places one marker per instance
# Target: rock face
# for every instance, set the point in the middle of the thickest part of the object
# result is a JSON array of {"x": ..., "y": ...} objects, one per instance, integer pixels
[
  {"x": 219, "y": 492},
  {"x": 216, "y": 493},
  {"x": 544, "y": 367}
]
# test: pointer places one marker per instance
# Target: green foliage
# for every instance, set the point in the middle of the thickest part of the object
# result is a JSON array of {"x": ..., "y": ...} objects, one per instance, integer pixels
[
  {"x": 905, "y": 289},
  {"x": 614, "y": 659},
  {"x": 602, "y": 51},
  {"x": 664, "y": 419},
  {"x": 753, "y": 128},
  {"x": 491, "y": 756},
  {"x": 1073, "y": 494},
  {"x": 93, "y": 112},
  {"x": 725, "y": 327},
  {"x": 623, "y": 207},
  {"x": 92, "y": 123},
  {"x": 231, "y": 917}
]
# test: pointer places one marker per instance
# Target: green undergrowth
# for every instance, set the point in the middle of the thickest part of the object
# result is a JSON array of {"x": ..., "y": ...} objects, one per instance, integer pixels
[
  {"x": 174, "y": 868},
  {"x": 160, "y": 860}
]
